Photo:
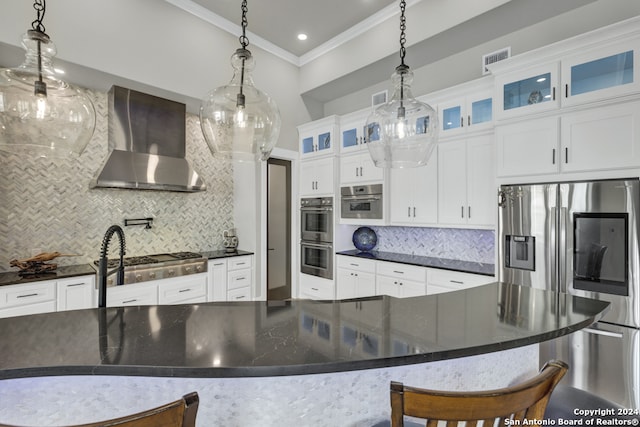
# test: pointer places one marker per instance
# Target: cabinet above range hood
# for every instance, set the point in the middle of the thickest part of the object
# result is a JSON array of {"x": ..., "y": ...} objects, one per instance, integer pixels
[{"x": 146, "y": 144}]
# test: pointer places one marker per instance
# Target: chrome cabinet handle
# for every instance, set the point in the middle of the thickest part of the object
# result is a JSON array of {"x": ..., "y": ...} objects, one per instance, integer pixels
[
  {"x": 184, "y": 290},
  {"x": 74, "y": 284},
  {"x": 461, "y": 211},
  {"x": 409, "y": 211},
  {"x": 457, "y": 281},
  {"x": 566, "y": 155},
  {"x": 553, "y": 156},
  {"x": 128, "y": 301},
  {"x": 414, "y": 211}
]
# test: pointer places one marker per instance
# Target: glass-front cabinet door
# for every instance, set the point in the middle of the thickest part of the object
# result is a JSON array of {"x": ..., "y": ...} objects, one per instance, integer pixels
[
  {"x": 316, "y": 138},
  {"x": 352, "y": 137},
  {"x": 463, "y": 114},
  {"x": 601, "y": 74},
  {"x": 529, "y": 91}
]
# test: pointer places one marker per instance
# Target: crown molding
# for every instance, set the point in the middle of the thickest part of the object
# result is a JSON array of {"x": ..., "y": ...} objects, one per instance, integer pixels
[
  {"x": 377, "y": 18},
  {"x": 206, "y": 15}
]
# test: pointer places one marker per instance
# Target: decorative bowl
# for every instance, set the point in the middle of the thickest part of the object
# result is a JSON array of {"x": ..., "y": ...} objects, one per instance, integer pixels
[{"x": 364, "y": 239}]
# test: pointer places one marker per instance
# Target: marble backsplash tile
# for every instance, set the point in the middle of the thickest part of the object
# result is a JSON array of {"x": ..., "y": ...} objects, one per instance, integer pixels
[
  {"x": 46, "y": 204},
  {"x": 449, "y": 243}
]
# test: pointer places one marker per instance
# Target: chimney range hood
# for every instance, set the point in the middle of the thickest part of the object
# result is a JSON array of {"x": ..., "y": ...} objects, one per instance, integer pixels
[{"x": 146, "y": 144}]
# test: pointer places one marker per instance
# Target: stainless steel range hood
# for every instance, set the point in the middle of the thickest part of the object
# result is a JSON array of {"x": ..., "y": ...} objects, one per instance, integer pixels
[{"x": 146, "y": 144}]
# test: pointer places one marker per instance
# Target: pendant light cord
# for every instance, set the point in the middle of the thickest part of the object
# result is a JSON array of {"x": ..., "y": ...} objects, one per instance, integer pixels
[
  {"x": 40, "y": 87},
  {"x": 40, "y": 6},
  {"x": 244, "y": 42},
  {"x": 402, "y": 69}
]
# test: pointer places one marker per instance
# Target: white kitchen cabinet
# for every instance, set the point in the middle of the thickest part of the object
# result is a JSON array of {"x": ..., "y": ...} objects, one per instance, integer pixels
[
  {"x": 28, "y": 298},
  {"x": 589, "y": 140},
  {"x": 316, "y": 288},
  {"x": 240, "y": 278},
  {"x": 400, "y": 280},
  {"x": 230, "y": 279},
  {"x": 603, "y": 138},
  {"x": 414, "y": 194},
  {"x": 440, "y": 281},
  {"x": 356, "y": 277},
  {"x": 144, "y": 293},
  {"x": 527, "y": 91},
  {"x": 317, "y": 177},
  {"x": 466, "y": 113},
  {"x": 359, "y": 169},
  {"x": 528, "y": 148},
  {"x": 317, "y": 138},
  {"x": 352, "y": 137},
  {"x": 466, "y": 182},
  {"x": 217, "y": 280},
  {"x": 76, "y": 293},
  {"x": 183, "y": 290},
  {"x": 606, "y": 72}
]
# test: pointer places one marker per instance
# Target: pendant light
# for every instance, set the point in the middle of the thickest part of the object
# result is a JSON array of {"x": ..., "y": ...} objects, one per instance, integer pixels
[
  {"x": 40, "y": 114},
  {"x": 403, "y": 131},
  {"x": 239, "y": 121}
]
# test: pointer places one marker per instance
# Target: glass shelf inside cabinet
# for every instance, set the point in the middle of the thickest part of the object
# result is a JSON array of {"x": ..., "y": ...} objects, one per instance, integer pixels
[
  {"x": 307, "y": 145},
  {"x": 614, "y": 70},
  {"x": 481, "y": 111},
  {"x": 533, "y": 90},
  {"x": 451, "y": 118}
]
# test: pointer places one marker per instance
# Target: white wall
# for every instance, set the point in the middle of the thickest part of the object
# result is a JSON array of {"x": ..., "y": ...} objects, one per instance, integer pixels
[{"x": 155, "y": 43}]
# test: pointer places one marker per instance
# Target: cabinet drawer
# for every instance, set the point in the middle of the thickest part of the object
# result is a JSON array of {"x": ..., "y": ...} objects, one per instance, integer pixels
[
  {"x": 138, "y": 294},
  {"x": 238, "y": 279},
  {"x": 23, "y": 310},
  {"x": 354, "y": 263},
  {"x": 239, "y": 294},
  {"x": 409, "y": 272},
  {"x": 18, "y": 295},
  {"x": 317, "y": 291},
  {"x": 237, "y": 263},
  {"x": 456, "y": 280},
  {"x": 183, "y": 290}
]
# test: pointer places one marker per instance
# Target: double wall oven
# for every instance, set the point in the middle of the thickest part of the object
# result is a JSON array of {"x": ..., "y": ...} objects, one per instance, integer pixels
[{"x": 316, "y": 244}]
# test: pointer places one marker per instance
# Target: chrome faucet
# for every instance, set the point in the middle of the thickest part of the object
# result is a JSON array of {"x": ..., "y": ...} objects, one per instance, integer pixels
[{"x": 102, "y": 266}]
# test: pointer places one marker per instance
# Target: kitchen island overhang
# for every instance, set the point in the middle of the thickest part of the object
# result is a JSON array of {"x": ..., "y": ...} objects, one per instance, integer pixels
[{"x": 299, "y": 337}]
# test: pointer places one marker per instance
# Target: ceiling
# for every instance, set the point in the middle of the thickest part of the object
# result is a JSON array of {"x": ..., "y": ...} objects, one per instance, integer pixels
[{"x": 280, "y": 21}]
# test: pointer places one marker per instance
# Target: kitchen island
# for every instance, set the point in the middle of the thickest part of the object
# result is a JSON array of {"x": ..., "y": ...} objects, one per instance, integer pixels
[{"x": 277, "y": 363}]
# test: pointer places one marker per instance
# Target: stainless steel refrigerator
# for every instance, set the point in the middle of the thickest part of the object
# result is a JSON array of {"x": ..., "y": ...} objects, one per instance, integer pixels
[{"x": 581, "y": 238}]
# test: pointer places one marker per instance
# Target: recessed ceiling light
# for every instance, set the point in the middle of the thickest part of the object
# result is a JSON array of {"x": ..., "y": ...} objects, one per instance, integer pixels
[{"x": 302, "y": 36}]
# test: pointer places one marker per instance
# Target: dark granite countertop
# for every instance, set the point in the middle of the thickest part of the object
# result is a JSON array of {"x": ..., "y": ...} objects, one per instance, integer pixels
[
  {"x": 424, "y": 261},
  {"x": 260, "y": 338},
  {"x": 13, "y": 278}
]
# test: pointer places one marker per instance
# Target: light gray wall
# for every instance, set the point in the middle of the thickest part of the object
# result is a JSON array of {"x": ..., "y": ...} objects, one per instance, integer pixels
[{"x": 155, "y": 44}]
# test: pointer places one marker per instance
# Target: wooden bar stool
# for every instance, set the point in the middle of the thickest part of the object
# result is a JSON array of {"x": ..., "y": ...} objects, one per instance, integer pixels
[
  {"x": 525, "y": 400},
  {"x": 181, "y": 413}
]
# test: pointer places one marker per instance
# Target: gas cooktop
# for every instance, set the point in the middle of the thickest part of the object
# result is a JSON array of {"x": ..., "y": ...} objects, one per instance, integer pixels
[{"x": 157, "y": 266}]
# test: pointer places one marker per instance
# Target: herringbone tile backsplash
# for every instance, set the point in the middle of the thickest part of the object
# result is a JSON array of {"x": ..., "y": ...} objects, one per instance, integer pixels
[{"x": 46, "y": 204}]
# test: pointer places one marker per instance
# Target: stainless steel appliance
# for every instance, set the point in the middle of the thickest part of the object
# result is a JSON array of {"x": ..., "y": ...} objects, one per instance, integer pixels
[
  {"x": 362, "y": 202},
  {"x": 316, "y": 219},
  {"x": 316, "y": 245},
  {"x": 158, "y": 266},
  {"x": 317, "y": 259},
  {"x": 581, "y": 238}
]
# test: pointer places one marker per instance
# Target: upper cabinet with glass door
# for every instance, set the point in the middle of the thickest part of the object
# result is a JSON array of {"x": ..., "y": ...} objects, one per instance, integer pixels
[
  {"x": 530, "y": 91},
  {"x": 317, "y": 138},
  {"x": 602, "y": 65},
  {"x": 602, "y": 73},
  {"x": 352, "y": 131},
  {"x": 464, "y": 108}
]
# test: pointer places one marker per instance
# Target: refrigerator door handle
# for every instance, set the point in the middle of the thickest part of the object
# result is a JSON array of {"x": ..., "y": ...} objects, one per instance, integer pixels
[
  {"x": 552, "y": 273},
  {"x": 605, "y": 333},
  {"x": 563, "y": 236}
]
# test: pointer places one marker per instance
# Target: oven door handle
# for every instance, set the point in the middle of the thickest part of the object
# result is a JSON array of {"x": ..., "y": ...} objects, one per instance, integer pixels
[
  {"x": 362, "y": 199},
  {"x": 317, "y": 245},
  {"x": 316, "y": 209}
]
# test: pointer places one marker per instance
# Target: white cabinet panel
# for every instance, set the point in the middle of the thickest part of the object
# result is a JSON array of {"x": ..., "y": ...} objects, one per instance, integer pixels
[
  {"x": 414, "y": 194},
  {"x": 31, "y": 298},
  {"x": 239, "y": 294},
  {"x": 145, "y": 293},
  {"x": 317, "y": 177},
  {"x": 182, "y": 290},
  {"x": 439, "y": 281},
  {"x": 356, "y": 277},
  {"x": 76, "y": 293},
  {"x": 314, "y": 287},
  {"x": 400, "y": 280},
  {"x": 217, "y": 280},
  {"x": 359, "y": 169}
]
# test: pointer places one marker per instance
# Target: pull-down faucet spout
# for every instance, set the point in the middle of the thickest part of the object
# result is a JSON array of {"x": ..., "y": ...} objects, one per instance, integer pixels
[{"x": 102, "y": 266}]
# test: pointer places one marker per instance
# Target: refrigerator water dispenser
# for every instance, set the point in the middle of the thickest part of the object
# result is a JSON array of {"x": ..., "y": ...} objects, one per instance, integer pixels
[{"x": 520, "y": 252}]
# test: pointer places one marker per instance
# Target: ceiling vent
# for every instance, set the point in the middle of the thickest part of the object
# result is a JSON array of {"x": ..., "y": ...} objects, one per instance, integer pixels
[{"x": 493, "y": 57}]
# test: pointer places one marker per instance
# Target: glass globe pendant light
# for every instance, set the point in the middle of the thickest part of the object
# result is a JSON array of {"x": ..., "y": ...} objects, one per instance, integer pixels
[
  {"x": 41, "y": 115},
  {"x": 239, "y": 121},
  {"x": 402, "y": 132}
]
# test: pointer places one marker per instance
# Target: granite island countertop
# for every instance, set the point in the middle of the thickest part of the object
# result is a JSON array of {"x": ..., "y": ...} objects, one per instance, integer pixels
[
  {"x": 425, "y": 261},
  {"x": 258, "y": 339}
]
